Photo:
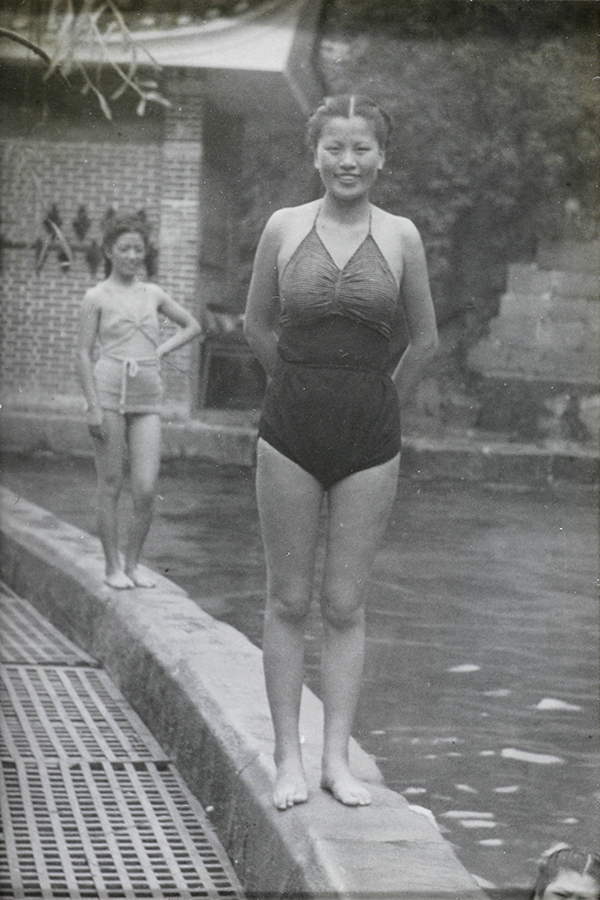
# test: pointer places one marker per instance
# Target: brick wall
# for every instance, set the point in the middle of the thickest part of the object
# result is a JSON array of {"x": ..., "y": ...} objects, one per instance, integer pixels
[{"x": 39, "y": 311}]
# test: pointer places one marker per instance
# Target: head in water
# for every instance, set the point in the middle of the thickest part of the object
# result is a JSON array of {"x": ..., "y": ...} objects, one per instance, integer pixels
[{"x": 568, "y": 874}]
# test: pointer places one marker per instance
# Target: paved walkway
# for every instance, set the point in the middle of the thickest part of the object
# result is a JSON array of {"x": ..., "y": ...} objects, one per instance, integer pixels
[{"x": 91, "y": 805}]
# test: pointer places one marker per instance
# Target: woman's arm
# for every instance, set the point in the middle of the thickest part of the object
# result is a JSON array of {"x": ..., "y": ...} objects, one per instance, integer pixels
[
  {"x": 263, "y": 297},
  {"x": 89, "y": 322},
  {"x": 420, "y": 315},
  {"x": 189, "y": 327}
]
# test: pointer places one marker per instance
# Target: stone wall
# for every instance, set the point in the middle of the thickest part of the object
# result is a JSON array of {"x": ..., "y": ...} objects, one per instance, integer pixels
[{"x": 537, "y": 371}]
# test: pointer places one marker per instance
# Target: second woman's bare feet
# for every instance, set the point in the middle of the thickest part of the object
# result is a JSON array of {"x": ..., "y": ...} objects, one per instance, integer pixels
[
  {"x": 118, "y": 580},
  {"x": 290, "y": 785},
  {"x": 344, "y": 786},
  {"x": 140, "y": 580}
]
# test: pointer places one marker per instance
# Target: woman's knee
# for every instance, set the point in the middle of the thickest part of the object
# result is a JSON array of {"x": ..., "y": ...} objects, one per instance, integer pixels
[
  {"x": 342, "y": 607},
  {"x": 143, "y": 493},
  {"x": 110, "y": 485},
  {"x": 288, "y": 605}
]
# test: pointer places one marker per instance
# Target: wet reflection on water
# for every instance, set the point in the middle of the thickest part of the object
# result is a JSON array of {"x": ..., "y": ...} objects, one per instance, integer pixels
[{"x": 480, "y": 699}]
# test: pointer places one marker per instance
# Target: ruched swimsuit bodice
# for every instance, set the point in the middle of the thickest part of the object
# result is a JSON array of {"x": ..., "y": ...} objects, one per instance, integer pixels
[
  {"x": 331, "y": 407},
  {"x": 312, "y": 286}
]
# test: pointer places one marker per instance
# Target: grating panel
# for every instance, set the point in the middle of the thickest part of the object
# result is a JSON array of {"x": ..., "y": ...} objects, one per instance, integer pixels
[
  {"x": 27, "y": 637},
  {"x": 106, "y": 830},
  {"x": 59, "y": 712}
]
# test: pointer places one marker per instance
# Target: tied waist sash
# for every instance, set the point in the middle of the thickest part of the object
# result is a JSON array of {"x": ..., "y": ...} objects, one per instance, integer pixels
[{"x": 130, "y": 367}]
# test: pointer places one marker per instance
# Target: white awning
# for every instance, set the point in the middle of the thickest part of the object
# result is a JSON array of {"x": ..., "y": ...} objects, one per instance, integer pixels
[{"x": 262, "y": 59}]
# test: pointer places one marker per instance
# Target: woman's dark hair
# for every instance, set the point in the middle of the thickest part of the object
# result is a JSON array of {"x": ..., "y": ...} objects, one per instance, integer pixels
[
  {"x": 116, "y": 225},
  {"x": 564, "y": 857},
  {"x": 346, "y": 106}
]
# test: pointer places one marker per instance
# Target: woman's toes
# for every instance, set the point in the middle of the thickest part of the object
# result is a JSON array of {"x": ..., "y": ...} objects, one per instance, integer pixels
[
  {"x": 290, "y": 786},
  {"x": 140, "y": 580},
  {"x": 119, "y": 580},
  {"x": 346, "y": 788}
]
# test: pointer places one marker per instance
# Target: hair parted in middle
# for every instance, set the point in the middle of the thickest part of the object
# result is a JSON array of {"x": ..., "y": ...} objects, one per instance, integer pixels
[{"x": 346, "y": 106}]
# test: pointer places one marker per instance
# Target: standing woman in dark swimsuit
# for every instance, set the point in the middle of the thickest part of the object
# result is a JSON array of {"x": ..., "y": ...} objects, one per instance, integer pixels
[{"x": 327, "y": 281}]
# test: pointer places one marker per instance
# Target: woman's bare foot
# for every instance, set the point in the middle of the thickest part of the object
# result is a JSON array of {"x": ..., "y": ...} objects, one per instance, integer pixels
[
  {"x": 344, "y": 786},
  {"x": 118, "y": 580},
  {"x": 290, "y": 785},
  {"x": 139, "y": 579}
]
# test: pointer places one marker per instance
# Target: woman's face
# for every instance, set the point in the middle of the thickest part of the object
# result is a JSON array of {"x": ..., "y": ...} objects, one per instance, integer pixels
[
  {"x": 348, "y": 156},
  {"x": 570, "y": 885},
  {"x": 127, "y": 254}
]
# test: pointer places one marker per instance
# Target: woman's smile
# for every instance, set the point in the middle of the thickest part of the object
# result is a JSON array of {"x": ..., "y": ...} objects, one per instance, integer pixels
[{"x": 348, "y": 154}]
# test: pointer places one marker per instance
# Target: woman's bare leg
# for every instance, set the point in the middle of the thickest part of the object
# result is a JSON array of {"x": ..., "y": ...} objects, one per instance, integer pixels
[
  {"x": 289, "y": 502},
  {"x": 359, "y": 510},
  {"x": 143, "y": 436},
  {"x": 110, "y": 459}
]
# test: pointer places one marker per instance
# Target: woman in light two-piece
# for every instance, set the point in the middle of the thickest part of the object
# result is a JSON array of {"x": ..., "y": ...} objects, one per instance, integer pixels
[{"x": 123, "y": 389}]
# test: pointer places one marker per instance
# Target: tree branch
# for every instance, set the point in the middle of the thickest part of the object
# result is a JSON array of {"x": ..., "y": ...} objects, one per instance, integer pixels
[{"x": 35, "y": 48}]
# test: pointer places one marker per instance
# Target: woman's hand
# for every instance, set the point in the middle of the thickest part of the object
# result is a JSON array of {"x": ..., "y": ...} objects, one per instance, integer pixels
[
  {"x": 188, "y": 329},
  {"x": 95, "y": 423}
]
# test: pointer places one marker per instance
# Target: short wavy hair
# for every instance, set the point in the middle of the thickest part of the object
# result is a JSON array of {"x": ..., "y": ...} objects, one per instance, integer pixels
[
  {"x": 565, "y": 857},
  {"x": 346, "y": 106},
  {"x": 116, "y": 225}
]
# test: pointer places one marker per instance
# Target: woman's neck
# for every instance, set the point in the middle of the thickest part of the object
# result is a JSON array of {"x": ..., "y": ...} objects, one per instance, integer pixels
[
  {"x": 346, "y": 212},
  {"x": 120, "y": 282}
]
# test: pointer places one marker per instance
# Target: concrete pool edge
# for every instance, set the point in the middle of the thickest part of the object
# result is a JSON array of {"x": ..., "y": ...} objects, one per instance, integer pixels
[
  {"x": 198, "y": 685},
  {"x": 469, "y": 457}
]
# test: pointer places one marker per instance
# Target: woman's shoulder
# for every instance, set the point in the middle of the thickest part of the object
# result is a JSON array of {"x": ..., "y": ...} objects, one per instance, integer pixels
[
  {"x": 292, "y": 216},
  {"x": 152, "y": 289},
  {"x": 396, "y": 229},
  {"x": 399, "y": 224},
  {"x": 95, "y": 295}
]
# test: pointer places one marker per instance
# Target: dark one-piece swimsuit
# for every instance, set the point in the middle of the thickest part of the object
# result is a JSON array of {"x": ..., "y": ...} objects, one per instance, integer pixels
[{"x": 331, "y": 406}]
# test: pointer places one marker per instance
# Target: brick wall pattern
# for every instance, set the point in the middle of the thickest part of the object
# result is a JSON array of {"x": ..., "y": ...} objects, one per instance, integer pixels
[{"x": 39, "y": 312}]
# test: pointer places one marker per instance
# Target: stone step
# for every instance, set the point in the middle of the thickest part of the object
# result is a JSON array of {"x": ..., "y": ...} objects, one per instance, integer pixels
[
  {"x": 528, "y": 278},
  {"x": 549, "y": 305},
  {"x": 545, "y": 332},
  {"x": 570, "y": 255},
  {"x": 539, "y": 409},
  {"x": 535, "y": 361}
]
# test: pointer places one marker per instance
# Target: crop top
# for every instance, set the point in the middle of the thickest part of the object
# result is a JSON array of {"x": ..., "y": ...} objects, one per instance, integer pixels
[
  {"x": 312, "y": 286},
  {"x": 129, "y": 330}
]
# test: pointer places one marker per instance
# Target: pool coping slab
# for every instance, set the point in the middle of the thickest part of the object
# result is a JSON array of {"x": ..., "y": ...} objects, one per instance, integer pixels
[
  {"x": 468, "y": 456},
  {"x": 197, "y": 683}
]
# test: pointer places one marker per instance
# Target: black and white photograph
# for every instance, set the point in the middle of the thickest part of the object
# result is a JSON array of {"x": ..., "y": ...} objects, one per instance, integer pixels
[{"x": 299, "y": 449}]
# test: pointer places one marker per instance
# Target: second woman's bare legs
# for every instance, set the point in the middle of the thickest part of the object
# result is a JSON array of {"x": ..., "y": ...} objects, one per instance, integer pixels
[
  {"x": 141, "y": 435},
  {"x": 110, "y": 461},
  {"x": 289, "y": 502}
]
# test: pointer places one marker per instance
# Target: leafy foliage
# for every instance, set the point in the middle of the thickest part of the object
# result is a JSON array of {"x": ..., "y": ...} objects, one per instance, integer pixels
[{"x": 496, "y": 115}]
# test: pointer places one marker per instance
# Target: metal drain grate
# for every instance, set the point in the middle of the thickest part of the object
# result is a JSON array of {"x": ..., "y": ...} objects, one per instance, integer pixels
[
  {"x": 57, "y": 712},
  {"x": 106, "y": 830},
  {"x": 26, "y": 637}
]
